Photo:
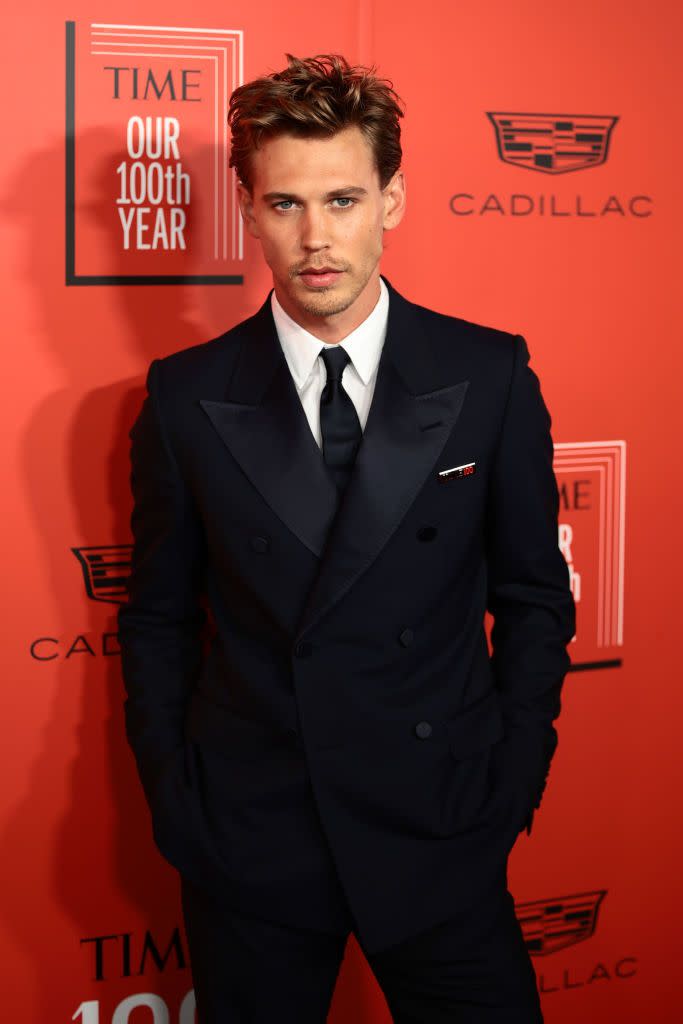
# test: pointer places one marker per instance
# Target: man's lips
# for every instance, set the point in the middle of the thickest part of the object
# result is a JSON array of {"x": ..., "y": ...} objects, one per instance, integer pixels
[{"x": 321, "y": 277}]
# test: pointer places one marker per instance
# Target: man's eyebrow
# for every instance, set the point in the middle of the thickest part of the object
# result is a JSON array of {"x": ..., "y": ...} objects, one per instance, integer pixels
[{"x": 349, "y": 190}]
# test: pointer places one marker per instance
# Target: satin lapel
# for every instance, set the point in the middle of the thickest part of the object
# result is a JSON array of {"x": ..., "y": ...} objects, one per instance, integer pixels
[
  {"x": 263, "y": 424},
  {"x": 411, "y": 416}
]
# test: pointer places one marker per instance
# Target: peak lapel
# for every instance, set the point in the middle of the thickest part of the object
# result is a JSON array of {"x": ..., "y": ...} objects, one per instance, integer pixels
[
  {"x": 263, "y": 424},
  {"x": 411, "y": 416}
]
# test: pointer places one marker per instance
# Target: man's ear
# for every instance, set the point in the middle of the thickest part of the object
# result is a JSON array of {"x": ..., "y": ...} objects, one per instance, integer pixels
[
  {"x": 246, "y": 201},
  {"x": 394, "y": 201}
]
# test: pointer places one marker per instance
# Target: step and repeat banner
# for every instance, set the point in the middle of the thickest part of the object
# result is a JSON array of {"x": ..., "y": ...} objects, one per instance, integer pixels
[{"x": 542, "y": 160}]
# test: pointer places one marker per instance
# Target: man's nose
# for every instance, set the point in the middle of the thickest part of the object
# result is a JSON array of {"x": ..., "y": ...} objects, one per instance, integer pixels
[{"x": 314, "y": 230}]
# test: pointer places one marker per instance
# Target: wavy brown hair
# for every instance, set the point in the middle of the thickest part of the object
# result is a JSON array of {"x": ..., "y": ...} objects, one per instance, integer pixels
[{"x": 316, "y": 96}]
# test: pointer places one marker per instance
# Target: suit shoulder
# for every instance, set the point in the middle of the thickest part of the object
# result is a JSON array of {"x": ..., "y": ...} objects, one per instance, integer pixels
[
  {"x": 470, "y": 347},
  {"x": 491, "y": 340},
  {"x": 196, "y": 364}
]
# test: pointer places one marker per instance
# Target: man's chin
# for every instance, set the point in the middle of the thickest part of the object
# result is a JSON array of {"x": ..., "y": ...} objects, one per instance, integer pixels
[{"x": 326, "y": 302}]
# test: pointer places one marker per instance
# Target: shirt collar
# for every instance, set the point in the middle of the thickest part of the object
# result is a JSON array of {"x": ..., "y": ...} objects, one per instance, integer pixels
[{"x": 364, "y": 344}]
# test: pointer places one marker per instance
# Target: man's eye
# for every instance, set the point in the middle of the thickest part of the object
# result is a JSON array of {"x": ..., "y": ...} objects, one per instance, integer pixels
[
  {"x": 344, "y": 201},
  {"x": 284, "y": 204}
]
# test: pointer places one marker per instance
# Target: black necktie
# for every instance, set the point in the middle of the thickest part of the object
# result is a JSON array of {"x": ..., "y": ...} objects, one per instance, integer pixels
[{"x": 339, "y": 424}]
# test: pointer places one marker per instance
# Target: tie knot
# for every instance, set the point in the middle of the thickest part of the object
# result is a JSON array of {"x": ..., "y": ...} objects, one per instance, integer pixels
[{"x": 335, "y": 359}]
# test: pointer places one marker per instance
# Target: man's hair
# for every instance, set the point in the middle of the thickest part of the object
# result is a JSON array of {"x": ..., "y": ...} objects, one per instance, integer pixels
[{"x": 316, "y": 97}]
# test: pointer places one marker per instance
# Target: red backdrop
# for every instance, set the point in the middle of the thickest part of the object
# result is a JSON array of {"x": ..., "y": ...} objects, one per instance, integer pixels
[{"x": 542, "y": 157}]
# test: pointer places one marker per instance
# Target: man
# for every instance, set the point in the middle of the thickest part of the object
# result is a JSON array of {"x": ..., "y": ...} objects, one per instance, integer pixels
[{"x": 349, "y": 481}]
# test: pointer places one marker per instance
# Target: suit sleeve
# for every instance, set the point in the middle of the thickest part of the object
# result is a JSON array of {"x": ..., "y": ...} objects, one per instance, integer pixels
[
  {"x": 160, "y": 625},
  {"x": 528, "y": 584}
]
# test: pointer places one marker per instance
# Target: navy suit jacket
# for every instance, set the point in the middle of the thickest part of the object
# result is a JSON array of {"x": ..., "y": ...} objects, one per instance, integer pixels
[{"x": 310, "y": 695}]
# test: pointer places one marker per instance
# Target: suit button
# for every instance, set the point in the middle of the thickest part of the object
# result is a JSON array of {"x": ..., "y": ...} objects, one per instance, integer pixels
[
  {"x": 303, "y": 649},
  {"x": 406, "y": 637},
  {"x": 426, "y": 533},
  {"x": 423, "y": 730},
  {"x": 260, "y": 543}
]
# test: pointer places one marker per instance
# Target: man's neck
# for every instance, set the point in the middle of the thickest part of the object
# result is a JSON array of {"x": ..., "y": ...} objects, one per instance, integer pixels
[{"x": 333, "y": 329}]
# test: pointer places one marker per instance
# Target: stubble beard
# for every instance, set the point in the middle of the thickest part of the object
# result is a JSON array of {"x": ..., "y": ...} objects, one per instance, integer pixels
[{"x": 324, "y": 302}]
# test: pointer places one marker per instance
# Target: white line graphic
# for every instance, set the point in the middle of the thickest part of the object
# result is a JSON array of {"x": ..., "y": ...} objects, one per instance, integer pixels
[
  {"x": 184, "y": 39},
  {"x": 608, "y": 460}
]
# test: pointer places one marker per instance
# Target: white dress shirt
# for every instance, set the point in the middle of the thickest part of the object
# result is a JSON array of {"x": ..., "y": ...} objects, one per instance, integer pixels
[{"x": 364, "y": 346}]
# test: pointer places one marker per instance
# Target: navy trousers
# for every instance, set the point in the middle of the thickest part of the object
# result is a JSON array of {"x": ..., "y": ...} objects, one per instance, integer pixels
[{"x": 473, "y": 968}]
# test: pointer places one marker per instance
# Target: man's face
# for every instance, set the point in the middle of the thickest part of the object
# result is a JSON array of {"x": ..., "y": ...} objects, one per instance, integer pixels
[{"x": 320, "y": 214}]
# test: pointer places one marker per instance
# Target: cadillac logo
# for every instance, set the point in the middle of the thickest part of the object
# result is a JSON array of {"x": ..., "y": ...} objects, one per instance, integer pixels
[
  {"x": 105, "y": 571},
  {"x": 553, "y": 143},
  {"x": 549, "y": 925}
]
